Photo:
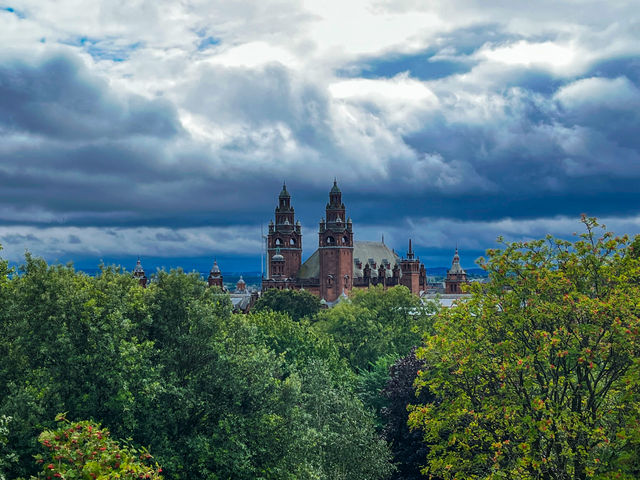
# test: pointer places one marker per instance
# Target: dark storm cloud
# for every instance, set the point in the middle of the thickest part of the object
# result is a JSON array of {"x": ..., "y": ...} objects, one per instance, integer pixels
[
  {"x": 101, "y": 158},
  {"x": 551, "y": 147},
  {"x": 57, "y": 97}
]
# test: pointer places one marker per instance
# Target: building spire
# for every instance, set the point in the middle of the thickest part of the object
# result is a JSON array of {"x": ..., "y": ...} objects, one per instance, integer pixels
[{"x": 410, "y": 252}]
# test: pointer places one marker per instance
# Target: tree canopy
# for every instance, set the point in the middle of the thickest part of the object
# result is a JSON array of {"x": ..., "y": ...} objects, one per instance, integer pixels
[
  {"x": 536, "y": 376},
  {"x": 376, "y": 322},
  {"x": 297, "y": 304},
  {"x": 212, "y": 394}
]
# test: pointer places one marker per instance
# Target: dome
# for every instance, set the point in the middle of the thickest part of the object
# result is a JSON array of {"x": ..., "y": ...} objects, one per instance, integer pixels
[
  {"x": 138, "y": 268},
  {"x": 335, "y": 188},
  {"x": 277, "y": 258},
  {"x": 284, "y": 193},
  {"x": 455, "y": 264},
  {"x": 215, "y": 270}
]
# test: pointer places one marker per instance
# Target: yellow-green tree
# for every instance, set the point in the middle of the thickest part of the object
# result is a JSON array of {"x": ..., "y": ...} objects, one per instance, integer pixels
[{"x": 536, "y": 376}]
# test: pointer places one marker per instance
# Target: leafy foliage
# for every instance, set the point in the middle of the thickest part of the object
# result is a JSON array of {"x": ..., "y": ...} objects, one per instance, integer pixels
[
  {"x": 536, "y": 376},
  {"x": 376, "y": 322},
  {"x": 297, "y": 304},
  {"x": 84, "y": 450},
  {"x": 371, "y": 383},
  {"x": 5, "y": 457},
  {"x": 409, "y": 452},
  {"x": 214, "y": 395}
]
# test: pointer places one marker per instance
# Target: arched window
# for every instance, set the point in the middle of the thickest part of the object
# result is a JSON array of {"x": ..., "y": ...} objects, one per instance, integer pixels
[
  {"x": 345, "y": 240},
  {"x": 331, "y": 240},
  {"x": 278, "y": 242},
  {"x": 292, "y": 242}
]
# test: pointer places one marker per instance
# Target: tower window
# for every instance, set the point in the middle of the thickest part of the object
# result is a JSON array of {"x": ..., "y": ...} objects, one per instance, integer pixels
[
  {"x": 345, "y": 240},
  {"x": 292, "y": 242},
  {"x": 278, "y": 242},
  {"x": 331, "y": 241}
]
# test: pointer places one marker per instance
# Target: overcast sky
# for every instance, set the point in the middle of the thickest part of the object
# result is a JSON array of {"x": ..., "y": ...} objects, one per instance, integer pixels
[{"x": 166, "y": 129}]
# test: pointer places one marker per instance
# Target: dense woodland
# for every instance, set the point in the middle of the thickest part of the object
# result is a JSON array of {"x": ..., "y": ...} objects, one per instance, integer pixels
[{"x": 536, "y": 376}]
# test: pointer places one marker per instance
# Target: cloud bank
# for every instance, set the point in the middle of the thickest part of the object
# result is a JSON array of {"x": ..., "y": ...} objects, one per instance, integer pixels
[{"x": 123, "y": 126}]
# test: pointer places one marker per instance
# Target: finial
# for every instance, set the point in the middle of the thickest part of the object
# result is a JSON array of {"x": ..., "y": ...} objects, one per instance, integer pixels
[
  {"x": 383, "y": 238},
  {"x": 410, "y": 250}
]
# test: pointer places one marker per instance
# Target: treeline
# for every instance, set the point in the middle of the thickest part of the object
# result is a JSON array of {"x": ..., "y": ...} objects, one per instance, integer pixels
[
  {"x": 210, "y": 393},
  {"x": 535, "y": 376}
]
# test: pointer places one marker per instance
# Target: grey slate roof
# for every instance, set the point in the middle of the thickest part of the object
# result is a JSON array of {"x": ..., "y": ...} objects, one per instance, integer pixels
[{"x": 363, "y": 251}]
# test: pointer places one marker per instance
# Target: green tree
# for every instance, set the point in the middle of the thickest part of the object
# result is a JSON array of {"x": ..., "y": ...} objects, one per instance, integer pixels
[
  {"x": 214, "y": 395},
  {"x": 297, "y": 303},
  {"x": 536, "y": 376},
  {"x": 376, "y": 322},
  {"x": 337, "y": 440},
  {"x": 409, "y": 451},
  {"x": 6, "y": 458},
  {"x": 69, "y": 343},
  {"x": 84, "y": 450},
  {"x": 371, "y": 383}
]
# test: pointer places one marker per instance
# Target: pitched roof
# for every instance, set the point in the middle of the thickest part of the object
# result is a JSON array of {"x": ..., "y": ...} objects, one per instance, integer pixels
[{"x": 365, "y": 252}]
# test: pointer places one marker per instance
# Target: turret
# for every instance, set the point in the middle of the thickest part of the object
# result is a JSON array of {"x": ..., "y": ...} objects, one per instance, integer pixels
[
  {"x": 138, "y": 273},
  {"x": 456, "y": 276},
  {"x": 335, "y": 247},
  {"x": 215, "y": 276},
  {"x": 410, "y": 267},
  {"x": 241, "y": 286},
  {"x": 285, "y": 236}
]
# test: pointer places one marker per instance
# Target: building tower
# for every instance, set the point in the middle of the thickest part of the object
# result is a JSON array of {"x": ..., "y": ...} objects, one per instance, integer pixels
[
  {"x": 410, "y": 267},
  {"x": 241, "y": 286},
  {"x": 284, "y": 241},
  {"x": 335, "y": 248},
  {"x": 456, "y": 276},
  {"x": 215, "y": 276},
  {"x": 138, "y": 274}
]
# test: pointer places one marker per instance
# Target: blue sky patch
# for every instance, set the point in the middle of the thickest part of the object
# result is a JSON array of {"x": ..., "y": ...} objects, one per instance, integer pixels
[
  {"x": 17, "y": 13},
  {"x": 420, "y": 65},
  {"x": 208, "y": 42},
  {"x": 104, "y": 49}
]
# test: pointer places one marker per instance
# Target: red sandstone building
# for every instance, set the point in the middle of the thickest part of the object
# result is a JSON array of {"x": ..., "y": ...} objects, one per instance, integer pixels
[{"x": 340, "y": 264}]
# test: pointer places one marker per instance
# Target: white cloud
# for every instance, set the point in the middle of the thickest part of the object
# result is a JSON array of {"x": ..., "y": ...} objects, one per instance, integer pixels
[
  {"x": 558, "y": 58},
  {"x": 594, "y": 92}
]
